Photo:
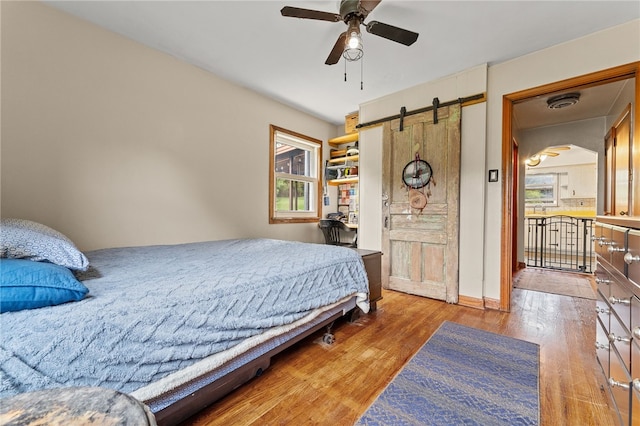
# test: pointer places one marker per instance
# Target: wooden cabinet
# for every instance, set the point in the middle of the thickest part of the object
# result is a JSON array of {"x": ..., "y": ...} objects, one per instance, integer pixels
[
  {"x": 372, "y": 264},
  {"x": 579, "y": 182},
  {"x": 621, "y": 192},
  {"x": 617, "y": 243}
]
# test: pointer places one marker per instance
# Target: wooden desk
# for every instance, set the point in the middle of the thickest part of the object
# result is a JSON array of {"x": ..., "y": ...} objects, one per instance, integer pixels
[{"x": 372, "y": 264}]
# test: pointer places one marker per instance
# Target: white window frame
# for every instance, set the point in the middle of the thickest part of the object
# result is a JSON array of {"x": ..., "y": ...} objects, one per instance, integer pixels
[{"x": 545, "y": 201}]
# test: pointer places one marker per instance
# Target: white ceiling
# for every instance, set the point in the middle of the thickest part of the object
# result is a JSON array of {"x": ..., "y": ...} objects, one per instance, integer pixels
[
  {"x": 594, "y": 102},
  {"x": 251, "y": 44}
]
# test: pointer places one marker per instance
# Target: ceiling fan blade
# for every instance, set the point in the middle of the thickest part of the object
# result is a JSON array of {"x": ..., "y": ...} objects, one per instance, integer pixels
[
  {"x": 390, "y": 32},
  {"x": 337, "y": 50},
  {"x": 296, "y": 12},
  {"x": 559, "y": 148},
  {"x": 367, "y": 6},
  {"x": 550, "y": 153}
]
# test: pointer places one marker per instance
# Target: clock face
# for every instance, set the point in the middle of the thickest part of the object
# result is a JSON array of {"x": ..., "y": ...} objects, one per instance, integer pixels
[{"x": 416, "y": 174}]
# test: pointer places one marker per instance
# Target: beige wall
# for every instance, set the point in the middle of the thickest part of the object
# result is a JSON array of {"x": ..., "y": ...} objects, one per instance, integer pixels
[
  {"x": 116, "y": 144},
  {"x": 598, "y": 51},
  {"x": 481, "y": 201}
]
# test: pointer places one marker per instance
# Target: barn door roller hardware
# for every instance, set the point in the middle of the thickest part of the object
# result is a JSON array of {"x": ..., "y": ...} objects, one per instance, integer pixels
[{"x": 466, "y": 101}]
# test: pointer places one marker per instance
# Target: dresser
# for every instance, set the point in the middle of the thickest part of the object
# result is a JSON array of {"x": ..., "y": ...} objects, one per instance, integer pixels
[{"x": 617, "y": 247}]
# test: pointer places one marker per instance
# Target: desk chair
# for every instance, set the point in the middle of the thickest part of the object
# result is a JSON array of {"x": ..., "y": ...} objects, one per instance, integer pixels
[{"x": 331, "y": 231}]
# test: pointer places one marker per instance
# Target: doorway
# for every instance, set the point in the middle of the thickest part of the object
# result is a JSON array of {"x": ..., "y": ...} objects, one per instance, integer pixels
[
  {"x": 559, "y": 199},
  {"x": 511, "y": 189}
]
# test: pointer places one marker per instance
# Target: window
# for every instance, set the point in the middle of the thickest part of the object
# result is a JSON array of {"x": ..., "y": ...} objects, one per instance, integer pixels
[
  {"x": 294, "y": 177},
  {"x": 541, "y": 189}
]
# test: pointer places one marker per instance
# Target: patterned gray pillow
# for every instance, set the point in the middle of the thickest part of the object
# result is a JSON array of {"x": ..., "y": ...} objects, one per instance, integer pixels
[{"x": 24, "y": 239}]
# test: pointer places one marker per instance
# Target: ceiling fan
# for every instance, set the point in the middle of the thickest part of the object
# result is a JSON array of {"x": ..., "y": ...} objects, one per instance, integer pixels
[
  {"x": 353, "y": 13},
  {"x": 539, "y": 157}
]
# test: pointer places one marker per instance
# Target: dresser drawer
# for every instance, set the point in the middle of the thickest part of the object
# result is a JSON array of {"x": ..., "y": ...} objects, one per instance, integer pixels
[
  {"x": 635, "y": 407},
  {"x": 635, "y": 363},
  {"x": 603, "y": 310},
  {"x": 633, "y": 256},
  {"x": 620, "y": 384},
  {"x": 617, "y": 248},
  {"x": 635, "y": 322},
  {"x": 603, "y": 346},
  {"x": 620, "y": 299},
  {"x": 635, "y": 378},
  {"x": 620, "y": 339},
  {"x": 601, "y": 239},
  {"x": 603, "y": 280}
]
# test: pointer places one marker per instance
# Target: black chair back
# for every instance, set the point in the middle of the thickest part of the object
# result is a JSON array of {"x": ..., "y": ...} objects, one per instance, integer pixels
[{"x": 331, "y": 231}]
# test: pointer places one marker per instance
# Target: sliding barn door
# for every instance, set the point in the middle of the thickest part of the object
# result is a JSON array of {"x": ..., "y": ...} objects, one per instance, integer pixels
[{"x": 421, "y": 247}]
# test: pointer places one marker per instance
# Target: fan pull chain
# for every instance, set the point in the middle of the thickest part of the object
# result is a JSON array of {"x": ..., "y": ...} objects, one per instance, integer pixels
[
  {"x": 345, "y": 69},
  {"x": 361, "y": 72}
]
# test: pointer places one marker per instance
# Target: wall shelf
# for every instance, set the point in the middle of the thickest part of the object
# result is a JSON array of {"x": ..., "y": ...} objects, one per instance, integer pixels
[
  {"x": 344, "y": 159},
  {"x": 341, "y": 140},
  {"x": 336, "y": 182}
]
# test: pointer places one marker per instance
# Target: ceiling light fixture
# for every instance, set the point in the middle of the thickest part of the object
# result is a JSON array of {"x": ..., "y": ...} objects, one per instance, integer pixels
[
  {"x": 563, "y": 101},
  {"x": 353, "y": 46},
  {"x": 532, "y": 161},
  {"x": 535, "y": 159}
]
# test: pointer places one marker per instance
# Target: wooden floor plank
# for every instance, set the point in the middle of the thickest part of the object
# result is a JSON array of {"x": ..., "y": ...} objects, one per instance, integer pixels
[{"x": 315, "y": 383}]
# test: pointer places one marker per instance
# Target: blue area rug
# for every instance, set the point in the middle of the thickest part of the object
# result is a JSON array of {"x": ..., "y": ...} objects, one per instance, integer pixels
[{"x": 463, "y": 376}]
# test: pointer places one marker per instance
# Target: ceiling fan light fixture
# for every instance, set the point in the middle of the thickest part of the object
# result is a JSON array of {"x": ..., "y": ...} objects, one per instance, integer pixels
[
  {"x": 354, "y": 40},
  {"x": 353, "y": 47},
  {"x": 563, "y": 101},
  {"x": 534, "y": 160}
]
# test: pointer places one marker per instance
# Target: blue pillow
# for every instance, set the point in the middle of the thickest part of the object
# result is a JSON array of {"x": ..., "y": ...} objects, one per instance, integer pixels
[
  {"x": 24, "y": 239},
  {"x": 25, "y": 284}
]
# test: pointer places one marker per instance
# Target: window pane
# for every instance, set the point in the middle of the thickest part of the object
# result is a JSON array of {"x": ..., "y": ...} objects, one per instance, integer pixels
[
  {"x": 546, "y": 179},
  {"x": 540, "y": 194},
  {"x": 292, "y": 160},
  {"x": 540, "y": 188},
  {"x": 292, "y": 195}
]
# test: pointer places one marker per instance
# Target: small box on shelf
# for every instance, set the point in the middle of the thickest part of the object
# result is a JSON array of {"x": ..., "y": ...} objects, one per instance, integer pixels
[{"x": 350, "y": 123}]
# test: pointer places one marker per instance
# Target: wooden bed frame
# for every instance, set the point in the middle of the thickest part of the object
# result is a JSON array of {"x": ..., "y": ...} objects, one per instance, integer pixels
[{"x": 181, "y": 403}]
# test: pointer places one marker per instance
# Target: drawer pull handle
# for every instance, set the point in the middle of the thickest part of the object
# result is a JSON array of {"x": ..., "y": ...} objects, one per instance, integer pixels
[
  {"x": 599, "y": 239},
  {"x": 602, "y": 311},
  {"x": 614, "y": 338},
  {"x": 613, "y": 300},
  {"x": 629, "y": 258},
  {"x": 636, "y": 384},
  {"x": 602, "y": 281},
  {"x": 613, "y": 249},
  {"x": 636, "y": 332},
  {"x": 604, "y": 242},
  {"x": 613, "y": 383},
  {"x": 601, "y": 346}
]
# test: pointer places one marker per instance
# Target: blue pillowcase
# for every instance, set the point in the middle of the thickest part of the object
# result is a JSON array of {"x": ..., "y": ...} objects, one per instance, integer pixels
[
  {"x": 25, "y": 284},
  {"x": 24, "y": 239}
]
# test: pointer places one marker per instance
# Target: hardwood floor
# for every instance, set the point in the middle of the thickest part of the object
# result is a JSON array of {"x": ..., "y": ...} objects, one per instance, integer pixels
[{"x": 315, "y": 383}]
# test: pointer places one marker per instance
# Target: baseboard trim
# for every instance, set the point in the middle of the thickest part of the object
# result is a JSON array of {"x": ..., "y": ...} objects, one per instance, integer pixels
[
  {"x": 471, "y": 302},
  {"x": 491, "y": 304}
]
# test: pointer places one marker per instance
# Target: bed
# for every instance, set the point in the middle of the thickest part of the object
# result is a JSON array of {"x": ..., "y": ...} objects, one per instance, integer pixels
[{"x": 178, "y": 326}]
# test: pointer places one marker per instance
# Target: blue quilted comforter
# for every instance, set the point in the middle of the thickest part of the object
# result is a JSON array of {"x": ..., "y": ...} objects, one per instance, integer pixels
[{"x": 154, "y": 310}]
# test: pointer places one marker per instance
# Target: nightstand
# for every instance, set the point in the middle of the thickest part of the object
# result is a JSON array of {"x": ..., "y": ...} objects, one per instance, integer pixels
[{"x": 372, "y": 264}]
